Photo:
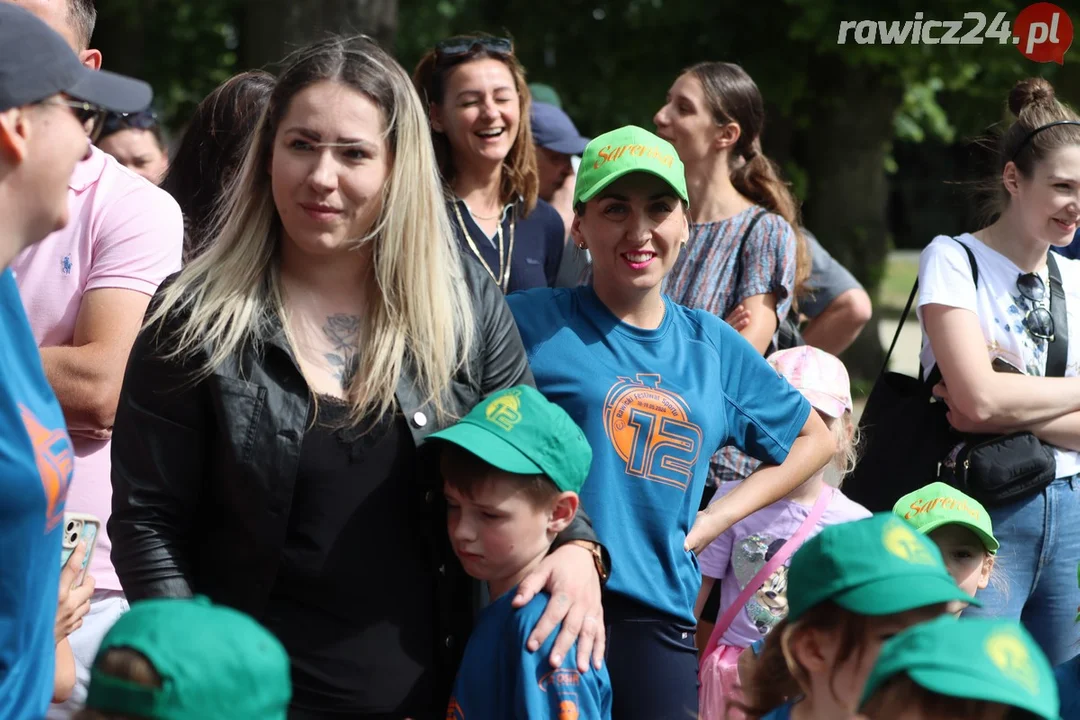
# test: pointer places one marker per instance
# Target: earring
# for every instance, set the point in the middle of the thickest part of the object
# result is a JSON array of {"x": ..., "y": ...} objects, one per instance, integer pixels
[{"x": 582, "y": 246}]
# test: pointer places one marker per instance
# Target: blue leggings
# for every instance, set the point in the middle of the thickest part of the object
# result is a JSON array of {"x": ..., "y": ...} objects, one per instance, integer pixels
[{"x": 652, "y": 662}]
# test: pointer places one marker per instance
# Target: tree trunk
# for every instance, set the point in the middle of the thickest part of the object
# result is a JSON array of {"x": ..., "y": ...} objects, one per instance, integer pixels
[
  {"x": 844, "y": 154},
  {"x": 274, "y": 28}
]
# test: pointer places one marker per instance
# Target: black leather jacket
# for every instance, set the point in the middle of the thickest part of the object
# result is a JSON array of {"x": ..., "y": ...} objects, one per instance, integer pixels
[{"x": 203, "y": 472}]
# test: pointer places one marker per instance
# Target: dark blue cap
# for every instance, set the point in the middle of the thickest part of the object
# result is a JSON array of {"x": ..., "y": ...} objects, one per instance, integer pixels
[
  {"x": 36, "y": 63},
  {"x": 553, "y": 129}
]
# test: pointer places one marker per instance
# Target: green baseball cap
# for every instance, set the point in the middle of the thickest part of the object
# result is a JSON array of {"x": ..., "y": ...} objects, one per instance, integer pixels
[
  {"x": 544, "y": 93},
  {"x": 215, "y": 663},
  {"x": 520, "y": 431},
  {"x": 938, "y": 504},
  {"x": 974, "y": 658},
  {"x": 627, "y": 150},
  {"x": 875, "y": 566}
]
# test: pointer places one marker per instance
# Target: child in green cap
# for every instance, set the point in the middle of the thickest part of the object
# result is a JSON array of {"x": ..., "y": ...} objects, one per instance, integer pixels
[
  {"x": 960, "y": 526},
  {"x": 849, "y": 588},
  {"x": 186, "y": 659},
  {"x": 512, "y": 469},
  {"x": 961, "y": 669}
]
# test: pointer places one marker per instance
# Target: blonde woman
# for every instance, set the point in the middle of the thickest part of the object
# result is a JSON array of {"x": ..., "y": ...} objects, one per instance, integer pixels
[
  {"x": 267, "y": 437},
  {"x": 479, "y": 112}
]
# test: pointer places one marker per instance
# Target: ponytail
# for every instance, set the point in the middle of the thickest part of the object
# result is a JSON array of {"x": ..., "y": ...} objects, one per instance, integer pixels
[{"x": 758, "y": 178}]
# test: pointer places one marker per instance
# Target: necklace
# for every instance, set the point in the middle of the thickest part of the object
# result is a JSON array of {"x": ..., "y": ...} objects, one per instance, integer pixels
[{"x": 502, "y": 279}]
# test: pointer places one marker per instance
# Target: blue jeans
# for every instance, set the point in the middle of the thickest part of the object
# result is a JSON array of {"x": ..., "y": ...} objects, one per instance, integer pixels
[{"x": 1037, "y": 567}]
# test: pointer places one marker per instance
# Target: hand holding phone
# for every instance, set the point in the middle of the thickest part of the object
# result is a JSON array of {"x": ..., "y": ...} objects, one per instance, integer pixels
[
  {"x": 79, "y": 528},
  {"x": 74, "y": 600}
]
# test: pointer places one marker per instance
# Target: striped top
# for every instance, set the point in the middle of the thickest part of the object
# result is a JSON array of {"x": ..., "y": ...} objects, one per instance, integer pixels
[{"x": 703, "y": 277}]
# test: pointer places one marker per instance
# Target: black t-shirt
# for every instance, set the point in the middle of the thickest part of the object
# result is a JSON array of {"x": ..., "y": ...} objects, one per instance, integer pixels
[
  {"x": 538, "y": 243},
  {"x": 352, "y": 554}
]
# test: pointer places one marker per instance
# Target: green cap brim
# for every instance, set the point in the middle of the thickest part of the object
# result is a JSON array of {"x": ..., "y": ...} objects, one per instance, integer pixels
[
  {"x": 989, "y": 541},
  {"x": 891, "y": 595},
  {"x": 952, "y": 683},
  {"x": 599, "y": 187},
  {"x": 489, "y": 447}
]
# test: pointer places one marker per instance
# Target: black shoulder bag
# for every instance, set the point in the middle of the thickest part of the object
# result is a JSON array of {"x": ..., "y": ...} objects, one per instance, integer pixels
[{"x": 908, "y": 441}]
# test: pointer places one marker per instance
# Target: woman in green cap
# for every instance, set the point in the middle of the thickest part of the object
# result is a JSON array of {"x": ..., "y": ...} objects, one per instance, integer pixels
[
  {"x": 960, "y": 526},
  {"x": 657, "y": 388},
  {"x": 850, "y": 588},
  {"x": 961, "y": 669}
]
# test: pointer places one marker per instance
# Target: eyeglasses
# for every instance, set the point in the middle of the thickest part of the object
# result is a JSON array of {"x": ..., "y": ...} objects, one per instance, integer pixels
[
  {"x": 1038, "y": 322},
  {"x": 115, "y": 122},
  {"x": 458, "y": 46},
  {"x": 88, "y": 115}
]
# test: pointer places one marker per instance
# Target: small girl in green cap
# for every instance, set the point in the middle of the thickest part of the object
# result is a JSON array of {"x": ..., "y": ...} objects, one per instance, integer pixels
[
  {"x": 961, "y": 669},
  {"x": 849, "y": 589},
  {"x": 960, "y": 526}
]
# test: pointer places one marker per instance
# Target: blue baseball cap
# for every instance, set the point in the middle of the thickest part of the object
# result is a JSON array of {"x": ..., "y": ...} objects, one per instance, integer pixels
[
  {"x": 36, "y": 63},
  {"x": 553, "y": 129}
]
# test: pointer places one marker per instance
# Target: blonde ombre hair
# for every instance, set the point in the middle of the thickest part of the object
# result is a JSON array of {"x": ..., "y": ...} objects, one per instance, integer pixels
[{"x": 418, "y": 304}]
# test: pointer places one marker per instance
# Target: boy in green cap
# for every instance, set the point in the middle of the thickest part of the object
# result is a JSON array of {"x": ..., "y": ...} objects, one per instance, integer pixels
[
  {"x": 960, "y": 526},
  {"x": 961, "y": 669},
  {"x": 849, "y": 587},
  {"x": 186, "y": 659},
  {"x": 512, "y": 469}
]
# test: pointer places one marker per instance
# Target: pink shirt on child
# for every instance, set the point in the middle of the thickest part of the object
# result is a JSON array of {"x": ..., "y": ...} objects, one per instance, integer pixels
[
  {"x": 739, "y": 554},
  {"x": 122, "y": 232}
]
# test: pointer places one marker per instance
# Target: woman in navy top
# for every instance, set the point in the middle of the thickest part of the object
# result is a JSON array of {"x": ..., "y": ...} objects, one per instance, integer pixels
[
  {"x": 657, "y": 389},
  {"x": 480, "y": 128}
]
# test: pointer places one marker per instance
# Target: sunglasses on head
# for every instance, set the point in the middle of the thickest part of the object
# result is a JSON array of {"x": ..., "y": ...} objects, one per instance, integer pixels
[
  {"x": 1038, "y": 322},
  {"x": 458, "y": 46},
  {"x": 115, "y": 122}
]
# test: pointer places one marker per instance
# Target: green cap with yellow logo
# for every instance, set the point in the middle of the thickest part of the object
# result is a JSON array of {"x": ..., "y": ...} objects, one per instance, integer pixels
[
  {"x": 875, "y": 566},
  {"x": 938, "y": 504},
  {"x": 627, "y": 150},
  {"x": 520, "y": 431},
  {"x": 973, "y": 658}
]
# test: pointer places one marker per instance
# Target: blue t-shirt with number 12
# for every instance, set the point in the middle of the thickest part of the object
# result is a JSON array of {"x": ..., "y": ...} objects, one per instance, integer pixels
[
  {"x": 36, "y": 462},
  {"x": 655, "y": 406}
]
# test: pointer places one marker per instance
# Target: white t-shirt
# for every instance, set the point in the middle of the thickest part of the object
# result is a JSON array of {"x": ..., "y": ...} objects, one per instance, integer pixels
[{"x": 945, "y": 279}]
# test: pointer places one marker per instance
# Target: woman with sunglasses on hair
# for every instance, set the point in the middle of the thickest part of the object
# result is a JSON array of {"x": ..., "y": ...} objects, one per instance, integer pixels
[
  {"x": 1004, "y": 322},
  {"x": 135, "y": 140},
  {"x": 268, "y": 435},
  {"x": 479, "y": 113}
]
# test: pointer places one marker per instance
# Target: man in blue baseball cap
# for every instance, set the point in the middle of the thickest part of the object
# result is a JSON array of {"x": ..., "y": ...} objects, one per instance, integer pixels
[
  {"x": 48, "y": 101},
  {"x": 558, "y": 144}
]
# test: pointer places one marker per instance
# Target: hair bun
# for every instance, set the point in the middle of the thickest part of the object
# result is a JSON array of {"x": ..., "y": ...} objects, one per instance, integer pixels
[{"x": 1029, "y": 92}]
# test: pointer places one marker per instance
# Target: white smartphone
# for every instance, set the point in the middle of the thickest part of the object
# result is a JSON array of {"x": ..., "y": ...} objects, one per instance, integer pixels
[{"x": 79, "y": 527}]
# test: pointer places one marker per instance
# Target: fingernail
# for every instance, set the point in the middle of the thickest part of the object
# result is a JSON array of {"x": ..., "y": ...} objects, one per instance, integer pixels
[{"x": 557, "y": 659}]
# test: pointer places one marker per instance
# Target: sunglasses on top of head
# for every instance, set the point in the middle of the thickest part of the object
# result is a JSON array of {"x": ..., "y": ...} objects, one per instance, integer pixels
[{"x": 458, "y": 46}]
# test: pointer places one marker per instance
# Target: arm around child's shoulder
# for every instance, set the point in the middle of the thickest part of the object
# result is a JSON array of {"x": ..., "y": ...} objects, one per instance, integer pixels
[{"x": 541, "y": 691}]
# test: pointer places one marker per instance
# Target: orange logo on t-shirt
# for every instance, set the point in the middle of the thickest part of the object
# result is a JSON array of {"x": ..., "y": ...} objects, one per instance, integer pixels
[
  {"x": 568, "y": 710},
  {"x": 651, "y": 431},
  {"x": 55, "y": 461}
]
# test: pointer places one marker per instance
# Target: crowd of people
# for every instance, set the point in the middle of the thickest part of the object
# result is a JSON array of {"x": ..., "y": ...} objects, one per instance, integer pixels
[{"x": 387, "y": 395}]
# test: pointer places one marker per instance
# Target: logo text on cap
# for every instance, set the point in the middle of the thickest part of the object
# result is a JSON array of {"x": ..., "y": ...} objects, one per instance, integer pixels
[{"x": 505, "y": 410}]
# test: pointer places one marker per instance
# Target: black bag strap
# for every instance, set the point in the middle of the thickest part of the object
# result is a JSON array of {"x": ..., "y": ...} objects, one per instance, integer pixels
[
  {"x": 739, "y": 256},
  {"x": 1057, "y": 354},
  {"x": 935, "y": 375}
]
